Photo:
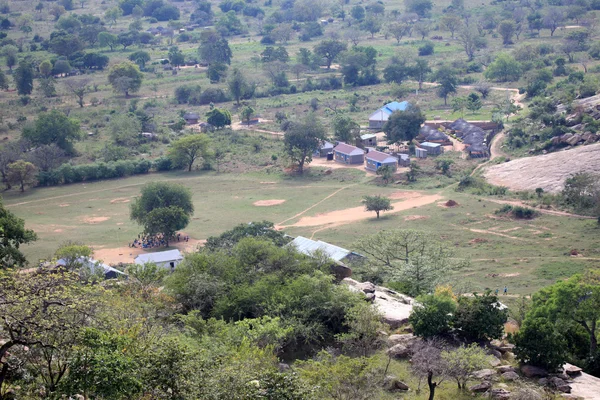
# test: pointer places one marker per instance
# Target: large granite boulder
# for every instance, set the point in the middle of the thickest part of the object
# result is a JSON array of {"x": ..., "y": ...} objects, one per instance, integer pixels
[
  {"x": 399, "y": 352},
  {"x": 481, "y": 388},
  {"x": 484, "y": 374},
  {"x": 532, "y": 371}
]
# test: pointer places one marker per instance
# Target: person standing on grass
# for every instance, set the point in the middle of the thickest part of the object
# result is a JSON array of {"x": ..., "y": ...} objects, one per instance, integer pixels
[
  {"x": 505, "y": 290},
  {"x": 497, "y": 290}
]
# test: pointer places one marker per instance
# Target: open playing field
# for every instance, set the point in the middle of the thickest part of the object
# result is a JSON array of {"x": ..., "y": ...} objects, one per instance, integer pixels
[{"x": 524, "y": 255}]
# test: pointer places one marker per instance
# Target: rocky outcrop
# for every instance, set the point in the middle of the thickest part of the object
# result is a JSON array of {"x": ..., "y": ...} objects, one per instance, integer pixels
[
  {"x": 481, "y": 388},
  {"x": 394, "y": 307},
  {"x": 505, "y": 368},
  {"x": 484, "y": 374},
  {"x": 340, "y": 271},
  {"x": 510, "y": 376},
  {"x": 399, "y": 352},
  {"x": 531, "y": 371},
  {"x": 407, "y": 339},
  {"x": 500, "y": 394}
]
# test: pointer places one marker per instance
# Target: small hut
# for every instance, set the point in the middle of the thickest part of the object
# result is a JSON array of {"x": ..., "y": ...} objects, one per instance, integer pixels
[
  {"x": 376, "y": 159},
  {"x": 191, "y": 118},
  {"x": 433, "y": 149},
  {"x": 346, "y": 154}
]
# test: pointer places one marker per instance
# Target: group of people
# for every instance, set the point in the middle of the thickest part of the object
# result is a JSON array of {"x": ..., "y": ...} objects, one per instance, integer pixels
[{"x": 152, "y": 241}]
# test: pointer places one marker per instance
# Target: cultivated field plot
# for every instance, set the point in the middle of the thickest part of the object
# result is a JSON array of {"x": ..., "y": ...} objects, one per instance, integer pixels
[
  {"x": 547, "y": 171},
  {"x": 524, "y": 255}
]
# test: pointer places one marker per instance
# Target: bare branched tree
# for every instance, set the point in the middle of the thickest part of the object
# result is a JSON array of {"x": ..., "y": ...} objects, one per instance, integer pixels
[
  {"x": 427, "y": 362},
  {"x": 78, "y": 87}
]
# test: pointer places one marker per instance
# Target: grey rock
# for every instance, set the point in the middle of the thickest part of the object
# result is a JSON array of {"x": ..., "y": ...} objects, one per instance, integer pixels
[
  {"x": 399, "y": 351},
  {"x": 370, "y": 297},
  {"x": 407, "y": 339},
  {"x": 572, "y": 370},
  {"x": 283, "y": 367},
  {"x": 505, "y": 368},
  {"x": 366, "y": 287},
  {"x": 494, "y": 361},
  {"x": 564, "y": 388},
  {"x": 484, "y": 374},
  {"x": 500, "y": 394},
  {"x": 481, "y": 388},
  {"x": 531, "y": 371},
  {"x": 556, "y": 381},
  {"x": 543, "y": 382},
  {"x": 340, "y": 271},
  {"x": 510, "y": 376}
]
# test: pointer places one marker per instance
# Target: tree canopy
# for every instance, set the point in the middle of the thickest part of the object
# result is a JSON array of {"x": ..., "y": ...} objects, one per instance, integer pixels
[
  {"x": 301, "y": 139},
  {"x": 187, "y": 150},
  {"x": 404, "y": 126},
  {"x": 125, "y": 77},
  {"x": 53, "y": 127}
]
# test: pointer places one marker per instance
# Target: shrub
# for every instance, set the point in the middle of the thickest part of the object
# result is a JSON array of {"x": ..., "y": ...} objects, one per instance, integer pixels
[
  {"x": 213, "y": 95},
  {"x": 426, "y": 49}
]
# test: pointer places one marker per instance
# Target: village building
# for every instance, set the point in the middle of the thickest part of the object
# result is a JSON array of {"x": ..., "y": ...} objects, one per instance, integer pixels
[
  {"x": 380, "y": 117},
  {"x": 311, "y": 248},
  {"x": 95, "y": 267},
  {"x": 376, "y": 159},
  {"x": 432, "y": 135},
  {"x": 347, "y": 154},
  {"x": 324, "y": 149},
  {"x": 403, "y": 160},
  {"x": 166, "y": 259},
  {"x": 191, "y": 118},
  {"x": 433, "y": 149},
  {"x": 368, "y": 139}
]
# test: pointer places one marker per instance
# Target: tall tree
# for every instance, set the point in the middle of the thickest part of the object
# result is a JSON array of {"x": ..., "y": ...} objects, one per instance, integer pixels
[
  {"x": 214, "y": 49},
  {"x": 53, "y": 127},
  {"x": 446, "y": 77},
  {"x": 12, "y": 235},
  {"x": 377, "y": 204},
  {"x": 78, "y": 87},
  {"x": 187, "y": 150},
  {"x": 125, "y": 77},
  {"x": 22, "y": 173},
  {"x": 9, "y": 52},
  {"x": 345, "y": 129},
  {"x": 412, "y": 257},
  {"x": 403, "y": 126},
  {"x": 329, "y": 50},
  {"x": 419, "y": 71},
  {"x": 301, "y": 139},
  {"x": 162, "y": 208},
  {"x": 237, "y": 84},
  {"x": 24, "y": 78}
]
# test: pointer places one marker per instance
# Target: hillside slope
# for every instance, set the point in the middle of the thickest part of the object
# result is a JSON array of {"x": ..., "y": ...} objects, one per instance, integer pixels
[{"x": 547, "y": 171}]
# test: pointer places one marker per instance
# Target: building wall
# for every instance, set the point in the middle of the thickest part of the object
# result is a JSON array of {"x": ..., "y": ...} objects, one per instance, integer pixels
[
  {"x": 346, "y": 159},
  {"x": 433, "y": 150},
  {"x": 373, "y": 165},
  {"x": 373, "y": 124}
]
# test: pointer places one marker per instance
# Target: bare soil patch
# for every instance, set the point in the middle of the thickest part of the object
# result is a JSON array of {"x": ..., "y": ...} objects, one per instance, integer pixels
[
  {"x": 64, "y": 205},
  {"x": 358, "y": 213},
  {"x": 268, "y": 203},
  {"x": 415, "y": 217},
  {"x": 95, "y": 220},
  {"x": 404, "y": 195},
  {"x": 548, "y": 171},
  {"x": 120, "y": 200},
  {"x": 268, "y": 183},
  {"x": 478, "y": 240}
]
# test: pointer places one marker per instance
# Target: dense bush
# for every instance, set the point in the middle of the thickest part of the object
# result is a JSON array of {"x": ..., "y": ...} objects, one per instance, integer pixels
[
  {"x": 517, "y": 212},
  {"x": 426, "y": 49}
]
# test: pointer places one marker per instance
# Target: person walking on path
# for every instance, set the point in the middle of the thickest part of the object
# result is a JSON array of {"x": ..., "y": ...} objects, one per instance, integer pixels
[
  {"x": 505, "y": 290},
  {"x": 497, "y": 291}
]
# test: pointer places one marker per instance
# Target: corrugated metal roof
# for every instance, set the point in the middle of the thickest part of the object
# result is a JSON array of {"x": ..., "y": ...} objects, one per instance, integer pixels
[
  {"x": 384, "y": 112},
  {"x": 309, "y": 247},
  {"x": 428, "y": 144},
  {"x": 368, "y": 136},
  {"x": 395, "y": 106},
  {"x": 381, "y": 157},
  {"x": 159, "y": 257},
  {"x": 327, "y": 145},
  {"x": 349, "y": 150},
  {"x": 92, "y": 265}
]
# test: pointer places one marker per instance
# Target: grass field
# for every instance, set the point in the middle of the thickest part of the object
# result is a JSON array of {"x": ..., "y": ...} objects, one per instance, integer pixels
[{"x": 524, "y": 255}]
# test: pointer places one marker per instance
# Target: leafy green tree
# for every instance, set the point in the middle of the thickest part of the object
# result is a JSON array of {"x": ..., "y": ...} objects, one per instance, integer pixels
[
  {"x": 3, "y": 81},
  {"x": 404, "y": 126},
  {"x": 238, "y": 86},
  {"x": 463, "y": 361},
  {"x": 474, "y": 103},
  {"x": 413, "y": 171},
  {"x": 575, "y": 301},
  {"x": 419, "y": 71},
  {"x": 417, "y": 259},
  {"x": 506, "y": 29},
  {"x": 45, "y": 68},
  {"x": 358, "y": 12},
  {"x": 24, "y": 78},
  {"x": 539, "y": 343},
  {"x": 459, "y": 104},
  {"x": 443, "y": 165},
  {"x": 187, "y": 150},
  {"x": 451, "y": 22},
  {"x": 9, "y": 52},
  {"x": 124, "y": 129},
  {"x": 377, "y": 204},
  {"x": 147, "y": 277},
  {"x": 22, "y": 173},
  {"x": 504, "y": 69},
  {"x": 480, "y": 317},
  {"x": 162, "y": 208},
  {"x": 345, "y": 129},
  {"x": 42, "y": 309},
  {"x": 218, "y": 117},
  {"x": 302, "y": 139},
  {"x": 140, "y": 58},
  {"x": 432, "y": 315},
  {"x": 13, "y": 235},
  {"x": 419, "y": 7},
  {"x": 386, "y": 173},
  {"x": 103, "y": 366},
  {"x": 112, "y": 14},
  {"x": 125, "y": 77},
  {"x": 72, "y": 254},
  {"x": 329, "y": 50},
  {"x": 176, "y": 56},
  {"x": 364, "y": 330},
  {"x": 263, "y": 230},
  {"x": 397, "y": 71},
  {"x": 582, "y": 192},
  {"x": 53, "y": 127},
  {"x": 214, "y": 49},
  {"x": 371, "y": 25},
  {"x": 246, "y": 114},
  {"x": 446, "y": 77},
  {"x": 106, "y": 39}
]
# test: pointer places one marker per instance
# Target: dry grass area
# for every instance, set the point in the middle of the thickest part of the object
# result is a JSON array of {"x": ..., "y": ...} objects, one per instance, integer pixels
[{"x": 547, "y": 171}]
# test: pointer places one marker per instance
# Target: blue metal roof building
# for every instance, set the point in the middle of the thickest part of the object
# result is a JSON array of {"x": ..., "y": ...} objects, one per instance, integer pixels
[{"x": 380, "y": 117}]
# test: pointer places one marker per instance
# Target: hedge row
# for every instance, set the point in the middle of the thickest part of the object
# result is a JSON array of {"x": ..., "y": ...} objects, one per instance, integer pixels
[{"x": 68, "y": 173}]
